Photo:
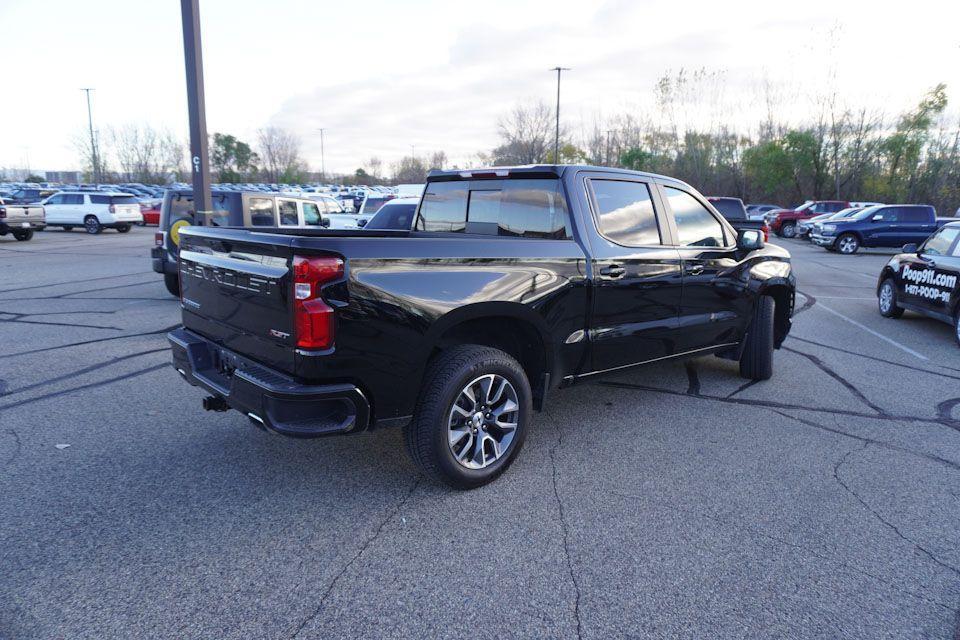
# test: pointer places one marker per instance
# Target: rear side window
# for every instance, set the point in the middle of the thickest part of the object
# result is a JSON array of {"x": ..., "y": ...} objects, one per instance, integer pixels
[
  {"x": 729, "y": 208},
  {"x": 625, "y": 212},
  {"x": 696, "y": 226},
  {"x": 261, "y": 212},
  {"x": 915, "y": 214},
  {"x": 288, "y": 212},
  {"x": 444, "y": 207},
  {"x": 519, "y": 208},
  {"x": 99, "y": 199}
]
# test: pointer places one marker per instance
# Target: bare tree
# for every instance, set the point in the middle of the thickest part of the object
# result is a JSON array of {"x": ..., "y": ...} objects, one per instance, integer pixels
[
  {"x": 280, "y": 154},
  {"x": 526, "y": 134}
]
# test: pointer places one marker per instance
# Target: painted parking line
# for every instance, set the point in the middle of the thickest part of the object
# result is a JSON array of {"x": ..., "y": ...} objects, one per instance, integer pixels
[{"x": 872, "y": 332}]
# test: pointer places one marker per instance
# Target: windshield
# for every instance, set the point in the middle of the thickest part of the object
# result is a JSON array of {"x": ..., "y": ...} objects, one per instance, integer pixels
[
  {"x": 843, "y": 213},
  {"x": 393, "y": 216},
  {"x": 865, "y": 213},
  {"x": 804, "y": 206},
  {"x": 729, "y": 208},
  {"x": 372, "y": 205}
]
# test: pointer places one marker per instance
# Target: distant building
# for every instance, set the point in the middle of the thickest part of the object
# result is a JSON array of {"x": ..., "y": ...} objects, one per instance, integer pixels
[{"x": 70, "y": 177}]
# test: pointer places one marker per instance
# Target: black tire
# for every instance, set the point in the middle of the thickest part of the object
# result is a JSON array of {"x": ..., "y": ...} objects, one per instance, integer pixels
[
  {"x": 123, "y": 228},
  {"x": 67, "y": 227},
  {"x": 172, "y": 282},
  {"x": 92, "y": 225},
  {"x": 788, "y": 230},
  {"x": 427, "y": 436},
  {"x": 847, "y": 244},
  {"x": 956, "y": 326},
  {"x": 24, "y": 235},
  {"x": 888, "y": 306},
  {"x": 756, "y": 362}
]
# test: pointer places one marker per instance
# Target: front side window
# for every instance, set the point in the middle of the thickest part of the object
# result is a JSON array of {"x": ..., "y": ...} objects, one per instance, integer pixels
[
  {"x": 261, "y": 212},
  {"x": 288, "y": 212},
  {"x": 939, "y": 243},
  {"x": 696, "y": 227},
  {"x": 55, "y": 200},
  {"x": 311, "y": 213},
  {"x": 625, "y": 212},
  {"x": 73, "y": 198}
]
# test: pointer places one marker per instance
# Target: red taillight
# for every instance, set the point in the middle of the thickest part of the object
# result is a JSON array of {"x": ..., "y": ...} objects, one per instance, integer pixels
[
  {"x": 158, "y": 238},
  {"x": 313, "y": 318}
]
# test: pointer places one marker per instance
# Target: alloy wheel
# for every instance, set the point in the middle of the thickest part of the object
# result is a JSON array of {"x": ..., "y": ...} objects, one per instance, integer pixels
[
  {"x": 847, "y": 244},
  {"x": 886, "y": 297},
  {"x": 483, "y": 421}
]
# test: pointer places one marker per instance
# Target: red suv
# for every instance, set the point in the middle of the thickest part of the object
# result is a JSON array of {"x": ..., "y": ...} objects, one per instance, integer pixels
[{"x": 783, "y": 222}]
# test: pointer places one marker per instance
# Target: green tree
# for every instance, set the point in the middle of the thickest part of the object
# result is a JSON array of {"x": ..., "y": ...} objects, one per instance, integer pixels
[{"x": 232, "y": 159}]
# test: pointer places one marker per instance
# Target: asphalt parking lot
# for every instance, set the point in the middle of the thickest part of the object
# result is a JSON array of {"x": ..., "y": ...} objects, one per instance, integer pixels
[{"x": 672, "y": 501}]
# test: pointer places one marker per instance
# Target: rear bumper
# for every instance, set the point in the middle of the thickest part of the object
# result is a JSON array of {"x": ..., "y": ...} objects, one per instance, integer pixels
[
  {"x": 161, "y": 261},
  {"x": 10, "y": 226},
  {"x": 272, "y": 398}
]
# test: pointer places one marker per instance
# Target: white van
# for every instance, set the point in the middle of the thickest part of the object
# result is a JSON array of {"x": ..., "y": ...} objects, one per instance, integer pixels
[{"x": 92, "y": 210}]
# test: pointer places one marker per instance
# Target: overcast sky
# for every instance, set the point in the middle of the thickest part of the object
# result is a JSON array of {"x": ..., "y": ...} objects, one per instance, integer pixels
[{"x": 383, "y": 77}]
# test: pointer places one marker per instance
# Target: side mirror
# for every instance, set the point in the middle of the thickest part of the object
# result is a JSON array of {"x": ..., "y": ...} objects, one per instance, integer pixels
[
  {"x": 910, "y": 247},
  {"x": 749, "y": 239},
  {"x": 325, "y": 222},
  {"x": 877, "y": 218}
]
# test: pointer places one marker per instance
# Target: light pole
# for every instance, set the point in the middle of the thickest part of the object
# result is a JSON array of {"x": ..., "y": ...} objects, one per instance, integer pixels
[
  {"x": 556, "y": 141},
  {"x": 323, "y": 161},
  {"x": 609, "y": 131},
  {"x": 94, "y": 156},
  {"x": 199, "y": 158}
]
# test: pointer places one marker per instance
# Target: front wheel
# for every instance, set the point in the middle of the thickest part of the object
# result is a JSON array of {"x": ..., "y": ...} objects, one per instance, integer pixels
[
  {"x": 91, "y": 225},
  {"x": 756, "y": 362},
  {"x": 472, "y": 416},
  {"x": 887, "y": 300},
  {"x": 789, "y": 230},
  {"x": 24, "y": 235},
  {"x": 848, "y": 244}
]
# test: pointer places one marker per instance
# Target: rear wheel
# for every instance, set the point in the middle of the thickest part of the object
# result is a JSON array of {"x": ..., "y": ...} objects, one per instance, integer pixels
[
  {"x": 848, "y": 244},
  {"x": 887, "y": 300},
  {"x": 123, "y": 228},
  {"x": 788, "y": 230},
  {"x": 756, "y": 363},
  {"x": 67, "y": 227},
  {"x": 24, "y": 235},
  {"x": 172, "y": 282},
  {"x": 472, "y": 416},
  {"x": 91, "y": 225}
]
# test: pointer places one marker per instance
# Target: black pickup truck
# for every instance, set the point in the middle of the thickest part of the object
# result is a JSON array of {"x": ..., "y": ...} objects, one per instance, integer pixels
[{"x": 512, "y": 282}]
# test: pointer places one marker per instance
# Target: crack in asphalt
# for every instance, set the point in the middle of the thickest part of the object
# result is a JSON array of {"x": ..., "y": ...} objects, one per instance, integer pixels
[
  {"x": 849, "y": 386},
  {"x": 83, "y": 387},
  {"x": 944, "y": 420},
  {"x": 80, "y": 372},
  {"x": 876, "y": 359},
  {"x": 808, "y": 302},
  {"x": 96, "y": 340},
  {"x": 65, "y": 296},
  {"x": 17, "y": 446},
  {"x": 693, "y": 378},
  {"x": 880, "y": 443},
  {"x": 72, "y": 325},
  {"x": 366, "y": 545},
  {"x": 876, "y": 514},
  {"x": 743, "y": 387},
  {"x": 66, "y": 282},
  {"x": 565, "y": 530},
  {"x": 757, "y": 533}
]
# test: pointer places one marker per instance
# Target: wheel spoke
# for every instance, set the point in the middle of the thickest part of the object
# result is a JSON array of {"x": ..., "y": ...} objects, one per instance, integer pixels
[
  {"x": 463, "y": 412},
  {"x": 457, "y": 434},
  {"x": 507, "y": 407},
  {"x": 499, "y": 393}
]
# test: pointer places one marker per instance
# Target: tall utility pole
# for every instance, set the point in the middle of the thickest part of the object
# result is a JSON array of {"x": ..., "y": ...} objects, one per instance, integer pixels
[
  {"x": 556, "y": 141},
  {"x": 199, "y": 159},
  {"x": 94, "y": 156},
  {"x": 323, "y": 161}
]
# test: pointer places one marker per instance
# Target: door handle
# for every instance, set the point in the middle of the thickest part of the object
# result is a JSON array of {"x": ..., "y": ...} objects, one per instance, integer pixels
[
  {"x": 694, "y": 270},
  {"x": 613, "y": 271}
]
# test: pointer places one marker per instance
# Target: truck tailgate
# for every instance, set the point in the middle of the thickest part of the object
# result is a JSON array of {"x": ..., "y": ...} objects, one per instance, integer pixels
[
  {"x": 20, "y": 214},
  {"x": 236, "y": 290}
]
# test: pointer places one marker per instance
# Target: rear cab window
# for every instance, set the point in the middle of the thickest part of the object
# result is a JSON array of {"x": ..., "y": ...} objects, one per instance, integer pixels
[{"x": 519, "y": 208}]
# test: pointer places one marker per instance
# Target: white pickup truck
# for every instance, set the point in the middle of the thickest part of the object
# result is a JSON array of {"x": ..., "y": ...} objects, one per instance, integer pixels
[{"x": 21, "y": 220}]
